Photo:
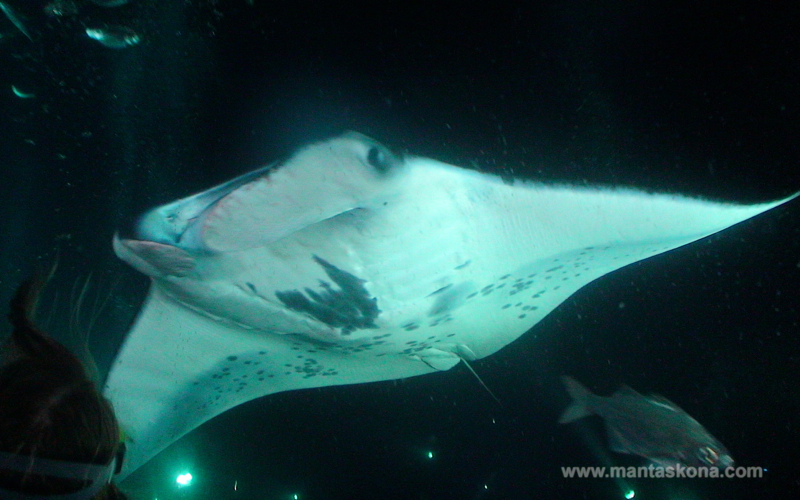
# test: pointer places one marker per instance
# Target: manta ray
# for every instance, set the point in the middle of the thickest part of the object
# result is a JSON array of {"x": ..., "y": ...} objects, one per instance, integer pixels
[{"x": 347, "y": 263}]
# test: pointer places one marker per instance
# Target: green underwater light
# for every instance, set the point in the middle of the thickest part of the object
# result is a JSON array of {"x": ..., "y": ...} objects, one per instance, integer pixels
[{"x": 184, "y": 479}]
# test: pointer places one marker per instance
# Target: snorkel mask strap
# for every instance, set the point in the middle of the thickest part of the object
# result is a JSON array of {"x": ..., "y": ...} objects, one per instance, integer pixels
[{"x": 98, "y": 476}]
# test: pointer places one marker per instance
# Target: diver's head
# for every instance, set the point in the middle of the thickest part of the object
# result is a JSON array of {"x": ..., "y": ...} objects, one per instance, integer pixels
[{"x": 59, "y": 437}]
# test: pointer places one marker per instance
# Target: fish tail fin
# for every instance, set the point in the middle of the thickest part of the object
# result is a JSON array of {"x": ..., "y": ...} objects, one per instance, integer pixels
[{"x": 580, "y": 398}]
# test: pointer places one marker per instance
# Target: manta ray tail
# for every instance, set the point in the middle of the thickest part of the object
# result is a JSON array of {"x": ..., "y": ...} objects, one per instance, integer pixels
[{"x": 480, "y": 380}]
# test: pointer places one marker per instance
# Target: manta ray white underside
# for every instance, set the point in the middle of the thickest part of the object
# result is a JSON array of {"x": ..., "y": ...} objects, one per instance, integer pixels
[{"x": 348, "y": 264}]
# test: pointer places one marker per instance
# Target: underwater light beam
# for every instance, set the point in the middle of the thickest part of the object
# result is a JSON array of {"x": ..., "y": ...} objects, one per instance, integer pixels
[{"x": 184, "y": 479}]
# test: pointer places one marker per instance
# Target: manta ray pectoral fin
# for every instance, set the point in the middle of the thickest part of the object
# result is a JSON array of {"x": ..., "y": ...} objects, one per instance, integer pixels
[{"x": 179, "y": 367}]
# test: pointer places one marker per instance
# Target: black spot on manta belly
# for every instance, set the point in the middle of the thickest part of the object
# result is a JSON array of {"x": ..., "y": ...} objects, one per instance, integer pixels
[
  {"x": 451, "y": 297},
  {"x": 349, "y": 308},
  {"x": 441, "y": 289}
]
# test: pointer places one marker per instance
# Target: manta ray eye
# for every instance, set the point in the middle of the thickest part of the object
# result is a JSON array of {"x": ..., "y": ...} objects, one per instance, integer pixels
[{"x": 378, "y": 159}]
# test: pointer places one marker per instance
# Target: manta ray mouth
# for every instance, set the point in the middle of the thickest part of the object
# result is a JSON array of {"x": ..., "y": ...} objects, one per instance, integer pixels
[
  {"x": 181, "y": 223},
  {"x": 254, "y": 210}
]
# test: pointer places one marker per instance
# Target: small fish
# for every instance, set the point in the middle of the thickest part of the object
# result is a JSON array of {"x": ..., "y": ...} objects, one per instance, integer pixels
[
  {"x": 114, "y": 37},
  {"x": 15, "y": 19},
  {"x": 649, "y": 426}
]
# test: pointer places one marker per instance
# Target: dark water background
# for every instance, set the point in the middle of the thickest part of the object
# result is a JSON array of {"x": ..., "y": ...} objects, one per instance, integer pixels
[{"x": 696, "y": 97}]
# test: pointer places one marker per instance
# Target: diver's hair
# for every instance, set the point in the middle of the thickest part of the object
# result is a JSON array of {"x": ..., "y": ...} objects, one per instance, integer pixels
[{"x": 49, "y": 408}]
